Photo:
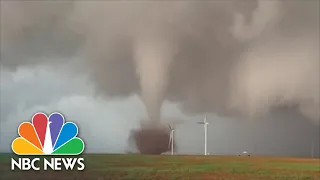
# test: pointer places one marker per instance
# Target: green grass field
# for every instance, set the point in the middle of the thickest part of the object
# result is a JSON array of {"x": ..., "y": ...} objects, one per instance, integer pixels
[{"x": 144, "y": 167}]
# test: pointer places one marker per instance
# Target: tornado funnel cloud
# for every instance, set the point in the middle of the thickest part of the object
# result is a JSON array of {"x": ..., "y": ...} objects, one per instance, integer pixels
[{"x": 153, "y": 58}]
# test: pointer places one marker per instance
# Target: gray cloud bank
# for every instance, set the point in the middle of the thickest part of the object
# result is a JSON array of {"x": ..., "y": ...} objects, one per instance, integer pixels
[{"x": 105, "y": 124}]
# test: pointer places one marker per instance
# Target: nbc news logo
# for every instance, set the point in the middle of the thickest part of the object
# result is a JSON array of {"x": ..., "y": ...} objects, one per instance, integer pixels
[{"x": 47, "y": 136}]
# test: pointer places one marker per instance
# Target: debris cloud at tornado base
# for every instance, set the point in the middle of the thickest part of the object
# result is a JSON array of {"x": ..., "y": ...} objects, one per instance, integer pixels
[{"x": 233, "y": 58}]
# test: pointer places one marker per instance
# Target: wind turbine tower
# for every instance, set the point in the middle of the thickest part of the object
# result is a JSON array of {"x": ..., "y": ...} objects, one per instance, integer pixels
[
  {"x": 205, "y": 124},
  {"x": 312, "y": 150},
  {"x": 171, "y": 138}
]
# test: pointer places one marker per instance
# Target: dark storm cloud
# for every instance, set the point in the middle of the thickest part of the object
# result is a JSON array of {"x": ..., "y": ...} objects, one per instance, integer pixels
[{"x": 223, "y": 57}]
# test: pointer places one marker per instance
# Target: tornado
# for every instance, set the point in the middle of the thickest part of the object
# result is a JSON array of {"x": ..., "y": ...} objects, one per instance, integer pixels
[{"x": 153, "y": 57}]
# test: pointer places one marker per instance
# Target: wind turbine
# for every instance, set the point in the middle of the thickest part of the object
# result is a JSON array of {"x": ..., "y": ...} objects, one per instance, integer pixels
[
  {"x": 205, "y": 124},
  {"x": 312, "y": 149},
  {"x": 171, "y": 138}
]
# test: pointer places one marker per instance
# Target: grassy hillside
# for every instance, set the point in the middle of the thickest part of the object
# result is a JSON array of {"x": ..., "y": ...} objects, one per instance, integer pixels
[{"x": 143, "y": 167}]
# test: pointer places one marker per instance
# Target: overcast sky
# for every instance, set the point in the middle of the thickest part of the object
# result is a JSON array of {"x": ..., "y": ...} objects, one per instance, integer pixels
[{"x": 104, "y": 123}]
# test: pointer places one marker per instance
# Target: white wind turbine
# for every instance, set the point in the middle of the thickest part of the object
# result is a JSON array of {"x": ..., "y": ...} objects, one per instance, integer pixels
[
  {"x": 205, "y": 124},
  {"x": 171, "y": 138},
  {"x": 172, "y": 124}
]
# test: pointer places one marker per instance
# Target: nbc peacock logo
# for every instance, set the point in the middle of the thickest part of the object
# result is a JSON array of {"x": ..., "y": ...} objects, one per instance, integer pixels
[{"x": 47, "y": 136}]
